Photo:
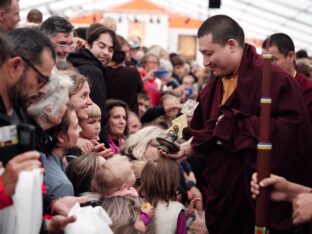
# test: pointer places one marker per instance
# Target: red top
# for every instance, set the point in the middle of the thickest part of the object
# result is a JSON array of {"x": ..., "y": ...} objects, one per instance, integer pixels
[{"x": 5, "y": 199}]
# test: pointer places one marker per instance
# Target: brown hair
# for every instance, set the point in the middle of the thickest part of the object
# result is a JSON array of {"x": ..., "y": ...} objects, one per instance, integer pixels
[
  {"x": 81, "y": 172},
  {"x": 160, "y": 180},
  {"x": 111, "y": 103},
  {"x": 62, "y": 128},
  {"x": 78, "y": 79},
  {"x": 34, "y": 16},
  {"x": 177, "y": 61},
  {"x": 147, "y": 56}
]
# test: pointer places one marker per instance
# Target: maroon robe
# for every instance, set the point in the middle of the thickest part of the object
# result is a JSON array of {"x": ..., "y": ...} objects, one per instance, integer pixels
[
  {"x": 230, "y": 147},
  {"x": 306, "y": 87}
]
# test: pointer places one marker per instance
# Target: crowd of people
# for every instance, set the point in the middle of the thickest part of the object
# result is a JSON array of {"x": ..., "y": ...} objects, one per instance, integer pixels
[{"x": 98, "y": 102}]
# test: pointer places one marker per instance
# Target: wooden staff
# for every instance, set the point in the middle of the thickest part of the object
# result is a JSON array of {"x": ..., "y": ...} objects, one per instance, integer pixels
[{"x": 264, "y": 146}]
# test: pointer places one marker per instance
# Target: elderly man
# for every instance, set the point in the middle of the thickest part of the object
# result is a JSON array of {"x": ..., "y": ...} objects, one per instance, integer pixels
[{"x": 225, "y": 129}]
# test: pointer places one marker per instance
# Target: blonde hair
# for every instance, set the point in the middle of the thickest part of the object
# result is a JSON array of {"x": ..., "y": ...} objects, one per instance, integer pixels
[
  {"x": 137, "y": 167},
  {"x": 94, "y": 111},
  {"x": 112, "y": 174},
  {"x": 137, "y": 143},
  {"x": 81, "y": 172},
  {"x": 78, "y": 79},
  {"x": 123, "y": 212}
]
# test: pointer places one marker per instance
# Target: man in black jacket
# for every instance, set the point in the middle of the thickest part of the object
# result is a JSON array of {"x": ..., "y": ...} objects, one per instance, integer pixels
[{"x": 91, "y": 62}]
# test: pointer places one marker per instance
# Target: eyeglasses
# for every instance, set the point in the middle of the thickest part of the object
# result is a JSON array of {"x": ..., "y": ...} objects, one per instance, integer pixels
[
  {"x": 43, "y": 80},
  {"x": 65, "y": 46},
  {"x": 154, "y": 62}
]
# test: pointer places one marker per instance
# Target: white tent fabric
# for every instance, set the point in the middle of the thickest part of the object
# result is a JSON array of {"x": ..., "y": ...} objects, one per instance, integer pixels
[{"x": 258, "y": 18}]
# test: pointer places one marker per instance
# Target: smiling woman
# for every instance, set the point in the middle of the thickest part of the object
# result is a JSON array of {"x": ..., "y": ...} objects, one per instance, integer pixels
[
  {"x": 79, "y": 93},
  {"x": 116, "y": 122}
]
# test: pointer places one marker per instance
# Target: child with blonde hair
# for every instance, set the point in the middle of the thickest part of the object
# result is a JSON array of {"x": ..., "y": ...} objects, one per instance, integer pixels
[
  {"x": 91, "y": 128},
  {"x": 159, "y": 184},
  {"x": 115, "y": 177},
  {"x": 127, "y": 216}
]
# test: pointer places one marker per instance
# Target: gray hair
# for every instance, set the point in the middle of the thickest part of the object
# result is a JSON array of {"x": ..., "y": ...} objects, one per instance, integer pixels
[
  {"x": 137, "y": 143},
  {"x": 56, "y": 96},
  {"x": 56, "y": 24}
]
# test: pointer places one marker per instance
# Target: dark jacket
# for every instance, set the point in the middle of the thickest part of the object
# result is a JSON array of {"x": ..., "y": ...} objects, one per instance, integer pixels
[
  {"x": 23, "y": 118},
  {"x": 124, "y": 83},
  {"x": 89, "y": 66}
]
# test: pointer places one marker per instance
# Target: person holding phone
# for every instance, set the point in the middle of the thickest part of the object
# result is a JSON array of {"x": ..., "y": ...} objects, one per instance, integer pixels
[{"x": 26, "y": 61}]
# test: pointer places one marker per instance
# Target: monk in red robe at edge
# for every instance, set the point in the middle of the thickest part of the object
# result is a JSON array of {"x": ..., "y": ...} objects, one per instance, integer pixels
[{"x": 225, "y": 129}]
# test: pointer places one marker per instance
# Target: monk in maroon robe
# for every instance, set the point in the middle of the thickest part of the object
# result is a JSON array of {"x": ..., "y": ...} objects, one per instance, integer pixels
[
  {"x": 225, "y": 129},
  {"x": 282, "y": 48}
]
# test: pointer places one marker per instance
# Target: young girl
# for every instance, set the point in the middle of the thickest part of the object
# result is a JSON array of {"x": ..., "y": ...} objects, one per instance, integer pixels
[
  {"x": 126, "y": 215},
  {"x": 159, "y": 183},
  {"x": 81, "y": 172},
  {"x": 115, "y": 177}
]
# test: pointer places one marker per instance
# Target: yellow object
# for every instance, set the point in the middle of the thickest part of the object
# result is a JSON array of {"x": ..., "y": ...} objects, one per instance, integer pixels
[
  {"x": 147, "y": 206},
  {"x": 181, "y": 122}
]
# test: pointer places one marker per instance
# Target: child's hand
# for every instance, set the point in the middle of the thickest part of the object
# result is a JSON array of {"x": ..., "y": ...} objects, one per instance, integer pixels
[
  {"x": 84, "y": 145},
  {"x": 101, "y": 149},
  {"x": 199, "y": 225},
  {"x": 107, "y": 153},
  {"x": 191, "y": 207},
  {"x": 148, "y": 209}
]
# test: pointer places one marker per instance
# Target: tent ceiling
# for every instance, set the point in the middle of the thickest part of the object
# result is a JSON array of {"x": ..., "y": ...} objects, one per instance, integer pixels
[{"x": 258, "y": 18}]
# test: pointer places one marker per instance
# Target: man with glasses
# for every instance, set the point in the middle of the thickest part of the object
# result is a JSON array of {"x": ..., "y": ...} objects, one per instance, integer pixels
[
  {"x": 9, "y": 14},
  {"x": 91, "y": 62},
  {"x": 60, "y": 32}
]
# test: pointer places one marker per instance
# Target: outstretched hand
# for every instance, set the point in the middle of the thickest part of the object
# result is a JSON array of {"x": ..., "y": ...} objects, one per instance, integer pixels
[{"x": 63, "y": 206}]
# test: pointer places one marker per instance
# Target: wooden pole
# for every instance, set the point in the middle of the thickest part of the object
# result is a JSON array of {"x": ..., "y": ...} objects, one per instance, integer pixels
[{"x": 264, "y": 147}]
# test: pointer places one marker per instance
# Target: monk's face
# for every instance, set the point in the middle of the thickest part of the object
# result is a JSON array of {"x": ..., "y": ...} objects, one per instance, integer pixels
[
  {"x": 286, "y": 62},
  {"x": 221, "y": 59}
]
